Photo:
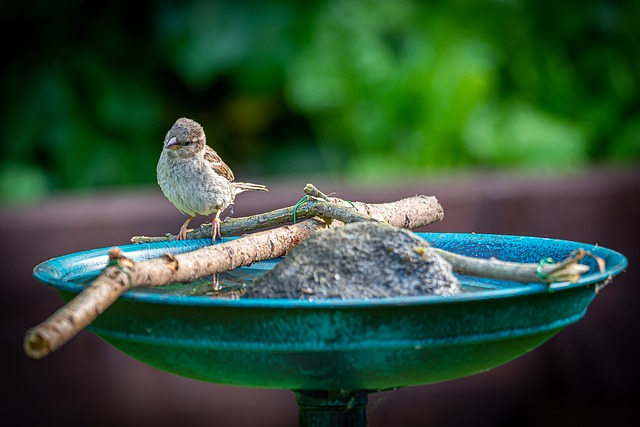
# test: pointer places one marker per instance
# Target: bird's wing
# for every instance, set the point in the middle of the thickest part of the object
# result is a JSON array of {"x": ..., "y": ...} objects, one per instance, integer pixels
[{"x": 217, "y": 164}]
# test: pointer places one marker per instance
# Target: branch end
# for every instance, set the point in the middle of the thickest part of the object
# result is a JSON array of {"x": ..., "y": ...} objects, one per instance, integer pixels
[{"x": 35, "y": 346}]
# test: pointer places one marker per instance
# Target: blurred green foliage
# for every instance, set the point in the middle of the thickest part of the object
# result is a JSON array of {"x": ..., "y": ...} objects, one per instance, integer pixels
[{"x": 367, "y": 89}]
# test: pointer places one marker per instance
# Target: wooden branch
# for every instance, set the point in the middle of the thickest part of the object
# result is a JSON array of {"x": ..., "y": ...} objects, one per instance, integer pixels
[
  {"x": 566, "y": 271},
  {"x": 412, "y": 213},
  {"x": 123, "y": 274}
]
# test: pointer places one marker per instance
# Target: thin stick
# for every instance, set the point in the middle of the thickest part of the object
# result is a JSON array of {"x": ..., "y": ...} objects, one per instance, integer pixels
[
  {"x": 412, "y": 212},
  {"x": 123, "y": 274},
  {"x": 80, "y": 311},
  {"x": 312, "y": 191},
  {"x": 566, "y": 271}
]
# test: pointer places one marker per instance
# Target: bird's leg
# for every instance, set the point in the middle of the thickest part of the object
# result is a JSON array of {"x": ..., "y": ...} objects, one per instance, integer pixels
[
  {"x": 182, "y": 235},
  {"x": 215, "y": 227},
  {"x": 215, "y": 282}
]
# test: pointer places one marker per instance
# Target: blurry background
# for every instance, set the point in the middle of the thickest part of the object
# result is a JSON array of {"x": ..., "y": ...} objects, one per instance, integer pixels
[
  {"x": 522, "y": 117},
  {"x": 358, "y": 89}
]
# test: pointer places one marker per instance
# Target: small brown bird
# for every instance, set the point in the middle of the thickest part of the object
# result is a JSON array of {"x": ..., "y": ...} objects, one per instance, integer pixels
[{"x": 194, "y": 178}]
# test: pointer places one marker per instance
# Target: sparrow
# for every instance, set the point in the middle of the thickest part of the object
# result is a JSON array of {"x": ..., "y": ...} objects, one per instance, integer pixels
[{"x": 194, "y": 178}]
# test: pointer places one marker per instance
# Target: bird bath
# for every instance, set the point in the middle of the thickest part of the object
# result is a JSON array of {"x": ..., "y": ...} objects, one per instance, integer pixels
[{"x": 332, "y": 353}]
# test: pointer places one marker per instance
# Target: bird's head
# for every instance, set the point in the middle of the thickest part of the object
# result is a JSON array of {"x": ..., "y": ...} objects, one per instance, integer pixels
[{"x": 185, "y": 138}]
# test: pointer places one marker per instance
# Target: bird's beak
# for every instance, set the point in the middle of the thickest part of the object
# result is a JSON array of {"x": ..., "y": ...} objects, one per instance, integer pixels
[{"x": 172, "y": 143}]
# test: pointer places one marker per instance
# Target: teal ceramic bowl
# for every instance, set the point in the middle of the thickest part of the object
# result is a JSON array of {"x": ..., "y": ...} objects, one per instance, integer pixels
[{"x": 341, "y": 344}]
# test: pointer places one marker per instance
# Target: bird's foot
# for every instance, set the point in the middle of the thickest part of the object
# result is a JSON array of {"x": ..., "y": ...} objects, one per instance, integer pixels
[
  {"x": 182, "y": 234},
  {"x": 215, "y": 229}
]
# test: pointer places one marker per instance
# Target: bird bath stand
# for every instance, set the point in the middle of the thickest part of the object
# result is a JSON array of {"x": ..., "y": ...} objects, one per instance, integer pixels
[{"x": 332, "y": 353}]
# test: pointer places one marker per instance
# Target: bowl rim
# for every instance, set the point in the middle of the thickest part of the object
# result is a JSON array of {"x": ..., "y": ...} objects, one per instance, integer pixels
[{"x": 50, "y": 273}]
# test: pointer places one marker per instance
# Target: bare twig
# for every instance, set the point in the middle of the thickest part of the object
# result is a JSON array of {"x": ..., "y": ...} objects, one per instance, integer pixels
[
  {"x": 311, "y": 190},
  {"x": 412, "y": 212},
  {"x": 123, "y": 274},
  {"x": 566, "y": 271}
]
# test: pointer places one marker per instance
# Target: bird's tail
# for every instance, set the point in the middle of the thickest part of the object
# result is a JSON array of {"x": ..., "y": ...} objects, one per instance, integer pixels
[{"x": 247, "y": 186}]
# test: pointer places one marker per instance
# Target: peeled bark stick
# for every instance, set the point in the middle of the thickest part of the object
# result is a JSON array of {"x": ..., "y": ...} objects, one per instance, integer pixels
[
  {"x": 412, "y": 212},
  {"x": 567, "y": 270},
  {"x": 81, "y": 310},
  {"x": 232, "y": 226},
  {"x": 124, "y": 274}
]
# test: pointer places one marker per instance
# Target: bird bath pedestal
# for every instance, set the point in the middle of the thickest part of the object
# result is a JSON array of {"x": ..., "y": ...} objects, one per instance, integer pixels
[{"x": 332, "y": 353}]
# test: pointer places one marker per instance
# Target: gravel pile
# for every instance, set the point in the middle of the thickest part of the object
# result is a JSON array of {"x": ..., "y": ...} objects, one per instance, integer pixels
[{"x": 360, "y": 260}]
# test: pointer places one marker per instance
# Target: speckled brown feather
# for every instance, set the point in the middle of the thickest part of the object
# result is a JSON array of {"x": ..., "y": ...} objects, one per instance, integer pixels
[{"x": 217, "y": 164}]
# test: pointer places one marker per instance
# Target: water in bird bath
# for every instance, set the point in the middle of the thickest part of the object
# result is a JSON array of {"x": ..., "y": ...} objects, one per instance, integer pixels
[
  {"x": 356, "y": 261},
  {"x": 231, "y": 284},
  {"x": 234, "y": 283}
]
